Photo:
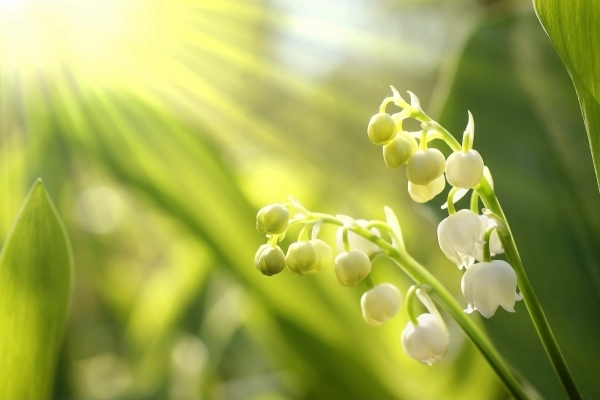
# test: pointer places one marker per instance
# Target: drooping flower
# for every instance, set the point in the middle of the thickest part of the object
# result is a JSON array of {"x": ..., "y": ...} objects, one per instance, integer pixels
[
  {"x": 380, "y": 304},
  {"x": 382, "y": 128},
  {"x": 422, "y": 194},
  {"x": 424, "y": 166},
  {"x": 272, "y": 219},
  {"x": 398, "y": 151},
  {"x": 269, "y": 260},
  {"x": 464, "y": 169},
  {"x": 427, "y": 341},
  {"x": 324, "y": 256},
  {"x": 488, "y": 285},
  {"x": 301, "y": 257},
  {"x": 356, "y": 241},
  {"x": 352, "y": 267},
  {"x": 458, "y": 235}
]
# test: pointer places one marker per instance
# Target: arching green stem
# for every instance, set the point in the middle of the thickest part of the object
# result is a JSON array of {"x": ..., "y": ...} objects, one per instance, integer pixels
[
  {"x": 410, "y": 307},
  {"x": 273, "y": 240},
  {"x": 345, "y": 240},
  {"x": 444, "y": 298},
  {"x": 451, "y": 208},
  {"x": 423, "y": 142},
  {"x": 531, "y": 301},
  {"x": 487, "y": 257},
  {"x": 304, "y": 236}
]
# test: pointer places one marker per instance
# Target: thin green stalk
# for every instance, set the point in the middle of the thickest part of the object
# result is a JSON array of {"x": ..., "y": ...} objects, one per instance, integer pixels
[
  {"x": 531, "y": 301},
  {"x": 445, "y": 299}
]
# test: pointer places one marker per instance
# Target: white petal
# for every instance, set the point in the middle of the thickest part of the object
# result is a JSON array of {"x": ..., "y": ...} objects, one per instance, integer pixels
[
  {"x": 489, "y": 285},
  {"x": 457, "y": 235},
  {"x": 428, "y": 341},
  {"x": 380, "y": 304}
]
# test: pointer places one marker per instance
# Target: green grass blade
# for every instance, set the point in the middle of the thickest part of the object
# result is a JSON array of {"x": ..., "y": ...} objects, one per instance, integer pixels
[
  {"x": 35, "y": 285},
  {"x": 574, "y": 28}
]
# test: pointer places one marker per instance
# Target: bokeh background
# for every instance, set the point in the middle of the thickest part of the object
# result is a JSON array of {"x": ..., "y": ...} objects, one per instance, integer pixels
[{"x": 161, "y": 127}]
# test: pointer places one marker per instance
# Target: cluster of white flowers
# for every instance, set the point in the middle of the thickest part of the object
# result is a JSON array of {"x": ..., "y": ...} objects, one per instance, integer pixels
[
  {"x": 465, "y": 237},
  {"x": 462, "y": 236},
  {"x": 425, "y": 338},
  {"x": 309, "y": 256}
]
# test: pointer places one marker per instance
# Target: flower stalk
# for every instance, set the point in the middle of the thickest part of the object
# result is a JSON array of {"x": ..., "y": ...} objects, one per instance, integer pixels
[
  {"x": 531, "y": 301},
  {"x": 441, "y": 295}
]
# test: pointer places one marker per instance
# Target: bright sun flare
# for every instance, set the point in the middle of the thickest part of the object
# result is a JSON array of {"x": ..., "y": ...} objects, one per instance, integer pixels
[{"x": 95, "y": 39}]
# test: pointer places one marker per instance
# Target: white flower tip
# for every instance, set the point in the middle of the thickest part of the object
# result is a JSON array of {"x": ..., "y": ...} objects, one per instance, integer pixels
[{"x": 518, "y": 296}]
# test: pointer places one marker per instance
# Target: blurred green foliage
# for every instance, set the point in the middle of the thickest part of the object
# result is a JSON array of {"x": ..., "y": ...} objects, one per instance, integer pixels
[{"x": 159, "y": 146}]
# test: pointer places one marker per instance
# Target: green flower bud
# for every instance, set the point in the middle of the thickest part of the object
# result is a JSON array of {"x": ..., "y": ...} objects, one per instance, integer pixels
[
  {"x": 381, "y": 129},
  {"x": 301, "y": 257},
  {"x": 424, "y": 166},
  {"x": 422, "y": 194},
  {"x": 352, "y": 267},
  {"x": 272, "y": 219},
  {"x": 397, "y": 152},
  {"x": 464, "y": 169},
  {"x": 269, "y": 260},
  {"x": 324, "y": 256}
]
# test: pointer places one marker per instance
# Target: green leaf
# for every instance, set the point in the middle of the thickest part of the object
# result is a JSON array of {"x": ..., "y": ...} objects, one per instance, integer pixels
[
  {"x": 574, "y": 28},
  {"x": 36, "y": 274}
]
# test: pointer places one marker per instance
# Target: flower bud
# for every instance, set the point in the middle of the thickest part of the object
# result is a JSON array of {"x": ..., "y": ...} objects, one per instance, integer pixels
[
  {"x": 422, "y": 194},
  {"x": 324, "y": 256},
  {"x": 457, "y": 236},
  {"x": 424, "y": 166},
  {"x": 464, "y": 169},
  {"x": 352, "y": 267},
  {"x": 356, "y": 241},
  {"x": 488, "y": 285},
  {"x": 397, "y": 152},
  {"x": 272, "y": 219},
  {"x": 426, "y": 342},
  {"x": 381, "y": 129},
  {"x": 269, "y": 260},
  {"x": 301, "y": 257},
  {"x": 380, "y": 304}
]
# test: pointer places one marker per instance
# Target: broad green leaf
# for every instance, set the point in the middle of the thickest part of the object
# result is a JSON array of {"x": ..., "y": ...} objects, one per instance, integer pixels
[
  {"x": 36, "y": 275},
  {"x": 574, "y": 28}
]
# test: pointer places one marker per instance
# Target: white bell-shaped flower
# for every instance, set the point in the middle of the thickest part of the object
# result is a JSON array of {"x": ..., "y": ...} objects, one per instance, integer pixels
[
  {"x": 352, "y": 267},
  {"x": 380, "y": 304},
  {"x": 426, "y": 342},
  {"x": 488, "y": 285},
  {"x": 422, "y": 194},
  {"x": 464, "y": 169},
  {"x": 458, "y": 235},
  {"x": 382, "y": 128},
  {"x": 424, "y": 166},
  {"x": 356, "y": 241}
]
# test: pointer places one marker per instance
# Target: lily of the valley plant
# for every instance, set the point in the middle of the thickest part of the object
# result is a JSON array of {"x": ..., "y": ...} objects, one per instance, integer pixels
[{"x": 469, "y": 238}]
